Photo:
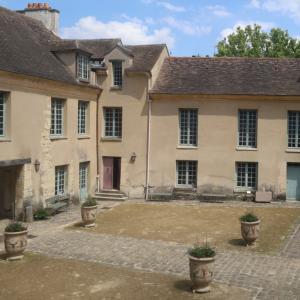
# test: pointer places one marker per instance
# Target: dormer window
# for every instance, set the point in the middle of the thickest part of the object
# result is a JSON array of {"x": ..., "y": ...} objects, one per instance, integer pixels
[
  {"x": 117, "y": 73},
  {"x": 83, "y": 67}
]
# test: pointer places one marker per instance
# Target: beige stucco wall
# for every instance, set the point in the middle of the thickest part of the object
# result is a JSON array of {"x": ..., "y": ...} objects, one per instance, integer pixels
[
  {"x": 29, "y": 133},
  {"x": 217, "y": 141}
]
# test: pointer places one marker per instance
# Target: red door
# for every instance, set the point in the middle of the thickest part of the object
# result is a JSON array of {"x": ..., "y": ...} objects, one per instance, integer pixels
[{"x": 108, "y": 169}]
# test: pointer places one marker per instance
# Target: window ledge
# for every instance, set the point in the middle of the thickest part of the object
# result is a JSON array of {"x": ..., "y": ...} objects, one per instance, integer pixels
[
  {"x": 187, "y": 147},
  {"x": 243, "y": 190},
  {"x": 4, "y": 139},
  {"x": 246, "y": 149},
  {"x": 83, "y": 137},
  {"x": 116, "y": 88},
  {"x": 84, "y": 80},
  {"x": 54, "y": 138},
  {"x": 292, "y": 150},
  {"x": 111, "y": 139}
]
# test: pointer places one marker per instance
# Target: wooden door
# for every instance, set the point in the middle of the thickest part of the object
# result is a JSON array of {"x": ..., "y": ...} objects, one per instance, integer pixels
[{"x": 108, "y": 171}]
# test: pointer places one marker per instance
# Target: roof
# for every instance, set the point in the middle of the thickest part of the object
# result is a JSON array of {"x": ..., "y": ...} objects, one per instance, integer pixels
[
  {"x": 69, "y": 45},
  {"x": 25, "y": 45},
  {"x": 229, "y": 76}
]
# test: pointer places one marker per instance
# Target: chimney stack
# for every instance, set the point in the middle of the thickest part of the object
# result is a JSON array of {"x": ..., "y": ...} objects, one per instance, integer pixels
[{"x": 44, "y": 13}]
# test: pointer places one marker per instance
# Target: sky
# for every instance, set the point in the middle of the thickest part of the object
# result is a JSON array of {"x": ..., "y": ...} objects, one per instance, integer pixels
[{"x": 190, "y": 27}]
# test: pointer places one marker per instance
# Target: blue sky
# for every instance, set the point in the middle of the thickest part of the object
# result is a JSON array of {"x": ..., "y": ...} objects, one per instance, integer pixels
[{"x": 188, "y": 27}]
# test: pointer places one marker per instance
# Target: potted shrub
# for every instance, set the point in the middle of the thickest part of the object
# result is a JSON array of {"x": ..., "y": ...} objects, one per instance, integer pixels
[
  {"x": 250, "y": 228},
  {"x": 15, "y": 240},
  {"x": 41, "y": 214},
  {"x": 201, "y": 258},
  {"x": 89, "y": 212}
]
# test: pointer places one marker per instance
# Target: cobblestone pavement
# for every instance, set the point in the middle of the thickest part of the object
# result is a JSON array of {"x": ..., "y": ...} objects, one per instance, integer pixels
[{"x": 266, "y": 277}]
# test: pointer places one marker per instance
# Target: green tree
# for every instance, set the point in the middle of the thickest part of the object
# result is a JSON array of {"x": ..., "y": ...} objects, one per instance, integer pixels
[{"x": 251, "y": 41}]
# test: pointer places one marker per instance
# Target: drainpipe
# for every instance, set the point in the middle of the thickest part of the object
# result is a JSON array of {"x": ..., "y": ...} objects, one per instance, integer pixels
[
  {"x": 149, "y": 102},
  {"x": 97, "y": 143}
]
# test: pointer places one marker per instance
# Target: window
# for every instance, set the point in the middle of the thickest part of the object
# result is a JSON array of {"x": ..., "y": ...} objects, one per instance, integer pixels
[
  {"x": 113, "y": 122},
  {"x": 83, "y": 177},
  {"x": 57, "y": 117},
  {"x": 2, "y": 114},
  {"x": 188, "y": 125},
  {"x": 247, "y": 128},
  {"x": 246, "y": 173},
  {"x": 117, "y": 73},
  {"x": 186, "y": 173},
  {"x": 60, "y": 180},
  {"x": 83, "y": 67},
  {"x": 293, "y": 129},
  {"x": 82, "y": 117}
]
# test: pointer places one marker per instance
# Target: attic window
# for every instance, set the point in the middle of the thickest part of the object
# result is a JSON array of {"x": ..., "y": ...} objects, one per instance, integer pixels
[
  {"x": 117, "y": 73},
  {"x": 83, "y": 67}
]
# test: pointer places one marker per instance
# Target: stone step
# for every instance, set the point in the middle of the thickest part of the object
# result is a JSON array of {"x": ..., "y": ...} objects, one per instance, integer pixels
[
  {"x": 110, "y": 198},
  {"x": 113, "y": 194}
]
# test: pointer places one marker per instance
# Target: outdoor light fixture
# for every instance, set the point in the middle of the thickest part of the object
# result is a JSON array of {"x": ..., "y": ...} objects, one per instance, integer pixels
[
  {"x": 37, "y": 165},
  {"x": 133, "y": 157}
]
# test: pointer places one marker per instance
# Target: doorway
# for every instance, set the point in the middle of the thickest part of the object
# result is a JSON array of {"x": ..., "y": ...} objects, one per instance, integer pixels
[
  {"x": 111, "y": 173},
  {"x": 293, "y": 182}
]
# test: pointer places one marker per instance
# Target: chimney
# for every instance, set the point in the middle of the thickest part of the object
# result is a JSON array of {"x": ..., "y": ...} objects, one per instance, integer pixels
[{"x": 44, "y": 13}]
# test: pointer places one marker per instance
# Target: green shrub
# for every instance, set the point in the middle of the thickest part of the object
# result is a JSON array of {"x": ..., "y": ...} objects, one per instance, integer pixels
[
  {"x": 202, "y": 251},
  {"x": 41, "y": 214},
  {"x": 15, "y": 227},
  {"x": 89, "y": 202},
  {"x": 249, "y": 217}
]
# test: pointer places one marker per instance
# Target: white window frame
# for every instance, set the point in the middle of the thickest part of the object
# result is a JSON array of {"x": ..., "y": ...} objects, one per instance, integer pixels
[
  {"x": 83, "y": 117},
  {"x": 247, "y": 166},
  {"x": 116, "y": 126},
  {"x": 294, "y": 141},
  {"x": 191, "y": 128},
  {"x": 188, "y": 165},
  {"x": 56, "y": 116},
  {"x": 4, "y": 112},
  {"x": 117, "y": 73},
  {"x": 248, "y": 134},
  {"x": 83, "y": 67},
  {"x": 84, "y": 173},
  {"x": 61, "y": 174}
]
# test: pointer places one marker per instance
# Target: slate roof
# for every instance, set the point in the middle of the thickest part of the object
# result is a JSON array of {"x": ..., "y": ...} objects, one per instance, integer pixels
[
  {"x": 229, "y": 76},
  {"x": 25, "y": 48}
]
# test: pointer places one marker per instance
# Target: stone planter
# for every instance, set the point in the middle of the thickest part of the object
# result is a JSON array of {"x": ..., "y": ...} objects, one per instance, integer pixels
[
  {"x": 200, "y": 273},
  {"x": 250, "y": 231},
  {"x": 88, "y": 215},
  {"x": 15, "y": 244}
]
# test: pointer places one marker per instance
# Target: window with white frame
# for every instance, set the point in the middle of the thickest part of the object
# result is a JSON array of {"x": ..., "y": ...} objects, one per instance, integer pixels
[
  {"x": 83, "y": 176},
  {"x": 186, "y": 173},
  {"x": 113, "y": 122},
  {"x": 247, "y": 128},
  {"x": 61, "y": 180},
  {"x": 2, "y": 114},
  {"x": 188, "y": 126},
  {"x": 57, "y": 117},
  {"x": 294, "y": 129},
  {"x": 83, "y": 67},
  {"x": 117, "y": 73},
  {"x": 82, "y": 117},
  {"x": 246, "y": 175}
]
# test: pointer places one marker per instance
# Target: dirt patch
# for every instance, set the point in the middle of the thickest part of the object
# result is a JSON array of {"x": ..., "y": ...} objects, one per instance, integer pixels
[
  {"x": 187, "y": 224},
  {"x": 38, "y": 277}
]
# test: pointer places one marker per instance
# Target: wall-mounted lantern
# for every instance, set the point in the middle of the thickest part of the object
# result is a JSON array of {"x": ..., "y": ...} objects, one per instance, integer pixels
[
  {"x": 37, "y": 165},
  {"x": 133, "y": 157}
]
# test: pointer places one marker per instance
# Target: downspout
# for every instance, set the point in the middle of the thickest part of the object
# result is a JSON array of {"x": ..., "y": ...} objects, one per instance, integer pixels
[
  {"x": 149, "y": 103},
  {"x": 97, "y": 142}
]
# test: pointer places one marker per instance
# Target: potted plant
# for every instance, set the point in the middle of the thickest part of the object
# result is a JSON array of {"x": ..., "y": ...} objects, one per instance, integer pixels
[
  {"x": 200, "y": 258},
  {"x": 250, "y": 228},
  {"x": 41, "y": 214},
  {"x": 15, "y": 240},
  {"x": 88, "y": 212}
]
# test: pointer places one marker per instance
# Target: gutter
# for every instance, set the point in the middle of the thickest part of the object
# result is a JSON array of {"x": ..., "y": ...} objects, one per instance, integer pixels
[{"x": 97, "y": 142}]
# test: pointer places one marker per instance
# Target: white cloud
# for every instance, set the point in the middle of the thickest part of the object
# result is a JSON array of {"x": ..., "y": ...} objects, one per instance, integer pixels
[
  {"x": 132, "y": 31},
  {"x": 219, "y": 10},
  {"x": 227, "y": 31},
  {"x": 167, "y": 5},
  {"x": 255, "y": 3},
  {"x": 187, "y": 27}
]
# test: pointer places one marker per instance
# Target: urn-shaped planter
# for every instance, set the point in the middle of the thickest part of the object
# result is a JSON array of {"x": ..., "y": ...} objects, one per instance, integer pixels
[
  {"x": 200, "y": 260},
  {"x": 250, "y": 227},
  {"x": 89, "y": 212},
  {"x": 15, "y": 241}
]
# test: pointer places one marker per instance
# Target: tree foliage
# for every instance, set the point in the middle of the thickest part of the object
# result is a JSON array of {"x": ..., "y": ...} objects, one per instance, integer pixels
[{"x": 251, "y": 41}]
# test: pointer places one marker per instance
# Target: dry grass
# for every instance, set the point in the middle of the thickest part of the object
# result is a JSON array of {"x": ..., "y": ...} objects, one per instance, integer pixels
[
  {"x": 188, "y": 224},
  {"x": 38, "y": 277}
]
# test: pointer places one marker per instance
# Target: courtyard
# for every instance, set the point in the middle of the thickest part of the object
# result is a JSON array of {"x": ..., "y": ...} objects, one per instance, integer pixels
[{"x": 142, "y": 247}]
